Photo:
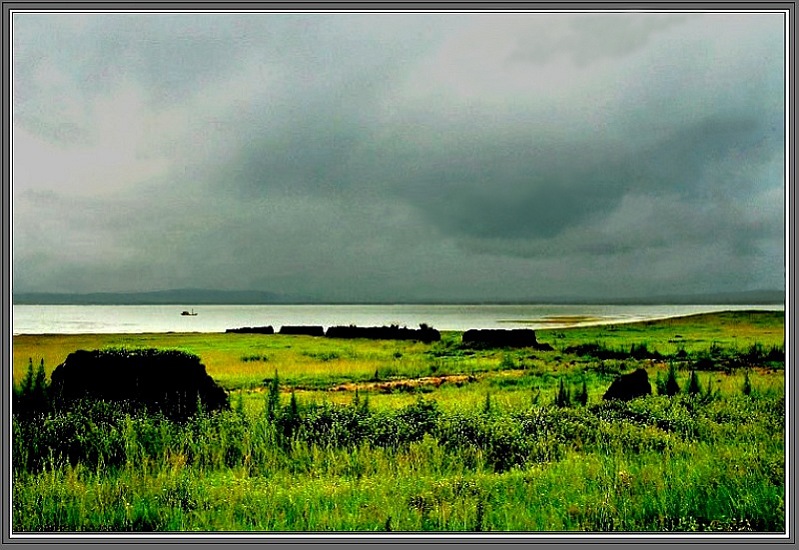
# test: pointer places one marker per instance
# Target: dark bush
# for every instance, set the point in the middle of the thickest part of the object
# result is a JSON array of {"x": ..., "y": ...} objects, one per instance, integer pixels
[
  {"x": 173, "y": 383},
  {"x": 629, "y": 386},
  {"x": 499, "y": 338},
  {"x": 393, "y": 332},
  {"x": 310, "y": 330},
  {"x": 251, "y": 330}
]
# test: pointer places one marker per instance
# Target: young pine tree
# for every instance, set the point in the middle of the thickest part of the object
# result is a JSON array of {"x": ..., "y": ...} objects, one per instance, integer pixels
[
  {"x": 582, "y": 395},
  {"x": 31, "y": 397},
  {"x": 710, "y": 393},
  {"x": 273, "y": 398},
  {"x": 563, "y": 399},
  {"x": 747, "y": 387},
  {"x": 693, "y": 387},
  {"x": 38, "y": 395},
  {"x": 289, "y": 418},
  {"x": 672, "y": 387},
  {"x": 487, "y": 404},
  {"x": 27, "y": 383}
]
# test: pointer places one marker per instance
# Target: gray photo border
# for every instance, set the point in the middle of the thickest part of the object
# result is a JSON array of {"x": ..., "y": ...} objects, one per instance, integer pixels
[{"x": 414, "y": 538}]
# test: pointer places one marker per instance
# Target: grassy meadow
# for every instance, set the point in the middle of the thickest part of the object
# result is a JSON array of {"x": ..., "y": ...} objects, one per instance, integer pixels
[{"x": 378, "y": 435}]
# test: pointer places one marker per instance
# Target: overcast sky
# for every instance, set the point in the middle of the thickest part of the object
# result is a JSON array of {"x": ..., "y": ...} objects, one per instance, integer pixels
[{"x": 400, "y": 156}]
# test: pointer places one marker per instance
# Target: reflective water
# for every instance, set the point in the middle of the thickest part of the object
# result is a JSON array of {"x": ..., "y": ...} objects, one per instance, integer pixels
[{"x": 41, "y": 319}]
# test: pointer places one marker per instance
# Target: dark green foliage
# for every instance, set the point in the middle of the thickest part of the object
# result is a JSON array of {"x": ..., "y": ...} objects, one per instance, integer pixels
[
  {"x": 747, "y": 386},
  {"x": 641, "y": 351},
  {"x": 90, "y": 432},
  {"x": 32, "y": 398},
  {"x": 582, "y": 396},
  {"x": 693, "y": 387},
  {"x": 631, "y": 385},
  {"x": 424, "y": 333},
  {"x": 273, "y": 398},
  {"x": 710, "y": 394},
  {"x": 334, "y": 426},
  {"x": 501, "y": 338},
  {"x": 256, "y": 357},
  {"x": 503, "y": 444},
  {"x": 507, "y": 362},
  {"x": 166, "y": 381},
  {"x": 598, "y": 350},
  {"x": 729, "y": 360},
  {"x": 353, "y": 425},
  {"x": 289, "y": 420},
  {"x": 419, "y": 418},
  {"x": 563, "y": 398},
  {"x": 671, "y": 386},
  {"x": 660, "y": 384},
  {"x": 27, "y": 382},
  {"x": 97, "y": 434},
  {"x": 487, "y": 404}
]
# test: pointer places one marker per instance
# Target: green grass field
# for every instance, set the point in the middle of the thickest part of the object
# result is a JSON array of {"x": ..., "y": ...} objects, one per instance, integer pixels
[{"x": 404, "y": 436}]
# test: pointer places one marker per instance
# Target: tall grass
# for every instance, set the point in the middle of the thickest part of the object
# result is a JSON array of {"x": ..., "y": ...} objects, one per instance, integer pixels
[
  {"x": 651, "y": 464},
  {"x": 513, "y": 440}
]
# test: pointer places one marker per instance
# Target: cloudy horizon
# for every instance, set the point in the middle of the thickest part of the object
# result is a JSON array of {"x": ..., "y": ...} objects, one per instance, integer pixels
[{"x": 399, "y": 156}]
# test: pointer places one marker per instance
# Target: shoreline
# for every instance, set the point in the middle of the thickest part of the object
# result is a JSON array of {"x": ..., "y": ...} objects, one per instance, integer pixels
[{"x": 556, "y": 323}]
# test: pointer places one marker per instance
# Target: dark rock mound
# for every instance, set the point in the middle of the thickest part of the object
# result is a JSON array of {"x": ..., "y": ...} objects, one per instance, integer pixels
[
  {"x": 502, "y": 338},
  {"x": 252, "y": 330},
  {"x": 170, "y": 382},
  {"x": 393, "y": 332},
  {"x": 629, "y": 386},
  {"x": 306, "y": 330}
]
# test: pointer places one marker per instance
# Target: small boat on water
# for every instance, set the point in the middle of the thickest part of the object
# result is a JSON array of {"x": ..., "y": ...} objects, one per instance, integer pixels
[{"x": 192, "y": 314}]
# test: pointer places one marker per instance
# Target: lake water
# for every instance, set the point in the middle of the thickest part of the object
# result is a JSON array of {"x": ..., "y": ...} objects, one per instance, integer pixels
[{"x": 62, "y": 319}]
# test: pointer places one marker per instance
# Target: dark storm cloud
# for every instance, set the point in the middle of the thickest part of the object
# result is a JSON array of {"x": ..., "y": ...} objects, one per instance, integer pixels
[
  {"x": 544, "y": 175},
  {"x": 405, "y": 156},
  {"x": 536, "y": 188}
]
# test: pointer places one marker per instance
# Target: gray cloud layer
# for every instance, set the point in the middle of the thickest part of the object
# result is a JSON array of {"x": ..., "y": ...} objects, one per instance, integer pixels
[{"x": 399, "y": 156}]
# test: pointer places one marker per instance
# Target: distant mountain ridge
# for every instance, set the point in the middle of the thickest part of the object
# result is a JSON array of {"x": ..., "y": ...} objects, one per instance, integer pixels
[
  {"x": 191, "y": 296},
  {"x": 748, "y": 297}
]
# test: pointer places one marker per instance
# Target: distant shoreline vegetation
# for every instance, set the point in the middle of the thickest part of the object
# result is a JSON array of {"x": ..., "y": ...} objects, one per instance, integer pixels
[{"x": 247, "y": 297}]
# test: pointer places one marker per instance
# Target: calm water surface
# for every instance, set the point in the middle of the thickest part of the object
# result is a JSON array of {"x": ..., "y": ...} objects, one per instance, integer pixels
[{"x": 39, "y": 319}]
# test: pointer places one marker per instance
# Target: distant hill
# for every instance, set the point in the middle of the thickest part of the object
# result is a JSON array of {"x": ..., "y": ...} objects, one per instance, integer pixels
[
  {"x": 257, "y": 297},
  {"x": 188, "y": 296},
  {"x": 751, "y": 297}
]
